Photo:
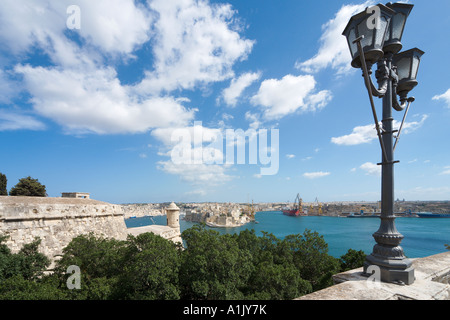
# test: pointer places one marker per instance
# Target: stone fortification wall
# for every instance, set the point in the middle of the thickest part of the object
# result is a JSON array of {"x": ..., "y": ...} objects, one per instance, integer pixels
[
  {"x": 57, "y": 220},
  {"x": 141, "y": 210}
]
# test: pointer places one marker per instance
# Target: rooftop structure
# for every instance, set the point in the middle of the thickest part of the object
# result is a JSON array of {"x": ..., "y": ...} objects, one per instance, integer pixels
[{"x": 77, "y": 195}]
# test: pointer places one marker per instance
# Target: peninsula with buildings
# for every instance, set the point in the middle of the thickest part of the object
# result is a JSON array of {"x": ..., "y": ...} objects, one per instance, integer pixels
[{"x": 229, "y": 214}]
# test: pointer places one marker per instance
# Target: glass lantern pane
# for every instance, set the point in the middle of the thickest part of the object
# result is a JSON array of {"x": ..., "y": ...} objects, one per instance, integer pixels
[
  {"x": 403, "y": 68},
  {"x": 363, "y": 30},
  {"x": 379, "y": 33},
  {"x": 398, "y": 24},
  {"x": 415, "y": 67},
  {"x": 353, "y": 46}
]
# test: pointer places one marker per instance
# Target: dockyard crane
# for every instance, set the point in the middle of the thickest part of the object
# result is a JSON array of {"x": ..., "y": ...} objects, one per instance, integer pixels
[
  {"x": 299, "y": 201},
  {"x": 318, "y": 205}
]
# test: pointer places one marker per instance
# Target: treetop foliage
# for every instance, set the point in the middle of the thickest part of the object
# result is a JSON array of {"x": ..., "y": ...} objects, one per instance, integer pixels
[
  {"x": 28, "y": 187},
  {"x": 211, "y": 266}
]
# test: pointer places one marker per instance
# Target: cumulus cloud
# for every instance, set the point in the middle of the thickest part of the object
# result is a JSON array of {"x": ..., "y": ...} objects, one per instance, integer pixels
[
  {"x": 95, "y": 102},
  {"x": 371, "y": 169},
  {"x": 231, "y": 94},
  {"x": 196, "y": 174},
  {"x": 196, "y": 154},
  {"x": 315, "y": 175},
  {"x": 280, "y": 98},
  {"x": 190, "y": 42},
  {"x": 105, "y": 24},
  {"x": 367, "y": 133},
  {"x": 195, "y": 43},
  {"x": 445, "y": 97},
  {"x": 333, "y": 51}
]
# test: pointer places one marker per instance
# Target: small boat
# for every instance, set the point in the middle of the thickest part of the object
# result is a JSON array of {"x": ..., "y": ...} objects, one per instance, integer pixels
[
  {"x": 358, "y": 215},
  {"x": 433, "y": 215}
]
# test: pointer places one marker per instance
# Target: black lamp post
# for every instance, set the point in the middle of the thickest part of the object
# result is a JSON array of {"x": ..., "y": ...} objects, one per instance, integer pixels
[{"x": 374, "y": 36}]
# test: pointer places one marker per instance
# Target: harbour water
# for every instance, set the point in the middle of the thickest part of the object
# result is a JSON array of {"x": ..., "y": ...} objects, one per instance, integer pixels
[{"x": 423, "y": 237}]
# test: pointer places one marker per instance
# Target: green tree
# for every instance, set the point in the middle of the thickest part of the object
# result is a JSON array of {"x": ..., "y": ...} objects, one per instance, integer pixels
[
  {"x": 100, "y": 261},
  {"x": 310, "y": 255},
  {"x": 150, "y": 269},
  {"x": 447, "y": 246},
  {"x": 22, "y": 274},
  {"x": 213, "y": 266},
  {"x": 28, "y": 262},
  {"x": 352, "y": 259},
  {"x": 3, "y": 183},
  {"x": 28, "y": 187}
]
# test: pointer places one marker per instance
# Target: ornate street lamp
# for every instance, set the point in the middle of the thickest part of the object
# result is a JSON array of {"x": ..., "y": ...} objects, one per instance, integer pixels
[{"x": 374, "y": 36}]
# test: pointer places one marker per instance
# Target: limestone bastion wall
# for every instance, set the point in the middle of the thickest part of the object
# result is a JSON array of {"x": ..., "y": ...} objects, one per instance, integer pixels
[{"x": 56, "y": 221}]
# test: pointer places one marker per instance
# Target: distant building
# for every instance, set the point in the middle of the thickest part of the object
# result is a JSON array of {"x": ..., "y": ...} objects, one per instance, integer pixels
[{"x": 78, "y": 195}]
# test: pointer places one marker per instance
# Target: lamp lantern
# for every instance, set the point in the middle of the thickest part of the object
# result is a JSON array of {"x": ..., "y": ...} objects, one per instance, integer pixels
[
  {"x": 407, "y": 63},
  {"x": 373, "y": 32},
  {"x": 392, "y": 41}
]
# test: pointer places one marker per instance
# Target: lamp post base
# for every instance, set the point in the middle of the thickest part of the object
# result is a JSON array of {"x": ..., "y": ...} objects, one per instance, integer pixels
[{"x": 399, "y": 271}]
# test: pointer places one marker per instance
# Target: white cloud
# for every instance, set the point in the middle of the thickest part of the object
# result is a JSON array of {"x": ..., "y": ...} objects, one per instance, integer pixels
[
  {"x": 115, "y": 25},
  {"x": 371, "y": 169},
  {"x": 359, "y": 135},
  {"x": 365, "y": 134},
  {"x": 197, "y": 174},
  {"x": 195, "y": 43},
  {"x": 288, "y": 95},
  {"x": 290, "y": 156},
  {"x": 315, "y": 175},
  {"x": 95, "y": 102},
  {"x": 333, "y": 49},
  {"x": 209, "y": 171},
  {"x": 254, "y": 120},
  {"x": 446, "y": 171},
  {"x": 16, "y": 121},
  {"x": 7, "y": 87},
  {"x": 168, "y": 136},
  {"x": 445, "y": 96},
  {"x": 231, "y": 94},
  {"x": 192, "y": 42},
  {"x": 104, "y": 24}
]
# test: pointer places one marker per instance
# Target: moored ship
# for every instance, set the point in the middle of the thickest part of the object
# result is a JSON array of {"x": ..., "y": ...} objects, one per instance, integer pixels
[
  {"x": 433, "y": 215},
  {"x": 296, "y": 210}
]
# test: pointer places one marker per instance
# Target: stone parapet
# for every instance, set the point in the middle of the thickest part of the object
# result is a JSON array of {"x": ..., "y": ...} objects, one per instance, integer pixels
[
  {"x": 56, "y": 221},
  {"x": 173, "y": 234},
  {"x": 432, "y": 283}
]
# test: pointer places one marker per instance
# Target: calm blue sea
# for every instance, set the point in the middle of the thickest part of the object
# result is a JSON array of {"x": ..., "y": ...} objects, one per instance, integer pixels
[{"x": 423, "y": 237}]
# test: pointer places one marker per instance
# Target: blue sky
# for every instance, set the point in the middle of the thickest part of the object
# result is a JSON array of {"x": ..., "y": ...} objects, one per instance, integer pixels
[{"x": 93, "y": 107}]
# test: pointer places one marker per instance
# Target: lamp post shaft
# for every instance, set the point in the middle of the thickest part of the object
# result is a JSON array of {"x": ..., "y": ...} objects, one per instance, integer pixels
[
  {"x": 387, "y": 171},
  {"x": 387, "y": 253}
]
